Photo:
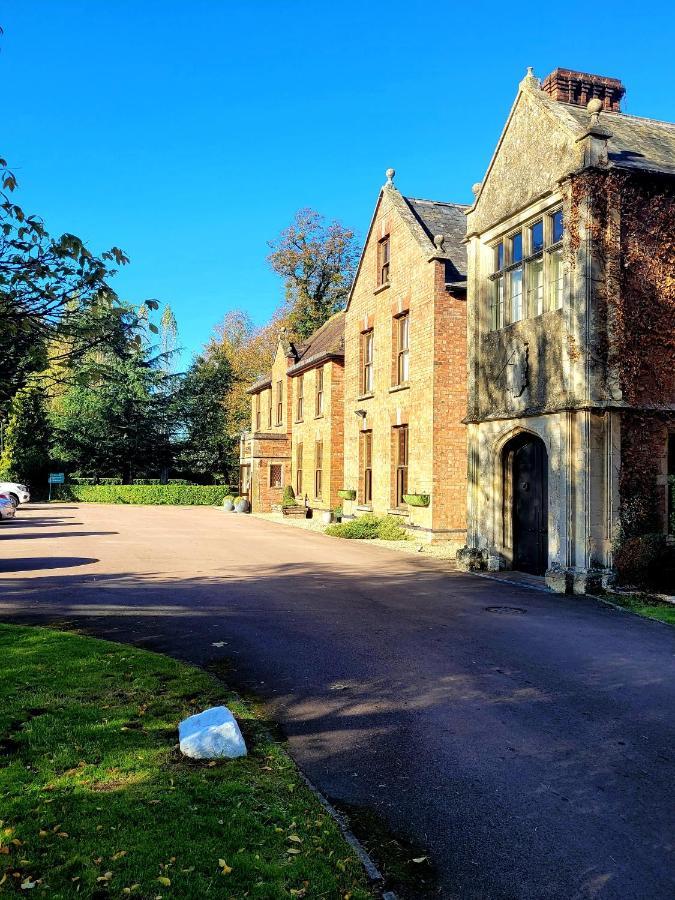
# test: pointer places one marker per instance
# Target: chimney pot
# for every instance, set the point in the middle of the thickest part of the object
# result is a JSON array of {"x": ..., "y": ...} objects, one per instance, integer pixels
[{"x": 579, "y": 88}]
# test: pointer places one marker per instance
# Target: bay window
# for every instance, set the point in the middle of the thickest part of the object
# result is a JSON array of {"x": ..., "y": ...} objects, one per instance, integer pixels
[{"x": 527, "y": 274}]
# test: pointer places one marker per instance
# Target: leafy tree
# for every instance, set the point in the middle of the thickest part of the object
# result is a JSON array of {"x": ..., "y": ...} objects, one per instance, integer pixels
[
  {"x": 205, "y": 446},
  {"x": 25, "y": 457},
  {"x": 249, "y": 352},
  {"x": 116, "y": 418},
  {"x": 52, "y": 291},
  {"x": 318, "y": 263}
]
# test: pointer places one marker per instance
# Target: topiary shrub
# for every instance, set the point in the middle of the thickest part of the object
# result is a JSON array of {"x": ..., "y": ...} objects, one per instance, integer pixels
[
  {"x": 346, "y": 494},
  {"x": 638, "y": 559},
  {"x": 288, "y": 497},
  {"x": 368, "y": 527}
]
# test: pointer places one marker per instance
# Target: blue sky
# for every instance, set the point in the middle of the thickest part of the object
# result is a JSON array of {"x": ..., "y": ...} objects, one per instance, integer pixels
[{"x": 189, "y": 133}]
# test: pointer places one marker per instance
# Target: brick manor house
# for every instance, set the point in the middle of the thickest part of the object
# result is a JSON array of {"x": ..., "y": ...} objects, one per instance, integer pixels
[
  {"x": 510, "y": 366},
  {"x": 296, "y": 434}
]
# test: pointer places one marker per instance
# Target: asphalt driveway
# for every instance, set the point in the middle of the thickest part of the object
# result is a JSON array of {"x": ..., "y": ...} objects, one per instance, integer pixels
[{"x": 528, "y": 749}]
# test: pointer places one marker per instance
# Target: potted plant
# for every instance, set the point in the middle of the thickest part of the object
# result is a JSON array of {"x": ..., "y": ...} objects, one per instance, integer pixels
[
  {"x": 327, "y": 516},
  {"x": 417, "y": 499},
  {"x": 337, "y": 513},
  {"x": 228, "y": 504},
  {"x": 288, "y": 497},
  {"x": 346, "y": 494}
]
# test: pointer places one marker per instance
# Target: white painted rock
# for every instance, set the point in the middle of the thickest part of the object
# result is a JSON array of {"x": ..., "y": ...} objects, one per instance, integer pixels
[{"x": 212, "y": 734}]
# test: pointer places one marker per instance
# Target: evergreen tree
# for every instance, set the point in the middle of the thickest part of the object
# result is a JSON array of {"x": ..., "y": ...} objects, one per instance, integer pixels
[{"x": 25, "y": 457}]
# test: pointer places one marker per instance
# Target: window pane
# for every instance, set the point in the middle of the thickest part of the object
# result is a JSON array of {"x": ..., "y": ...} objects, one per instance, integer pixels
[
  {"x": 498, "y": 303},
  {"x": 555, "y": 279},
  {"x": 537, "y": 237},
  {"x": 535, "y": 287},
  {"x": 517, "y": 247},
  {"x": 403, "y": 367},
  {"x": 557, "y": 226},
  {"x": 499, "y": 257},
  {"x": 516, "y": 295},
  {"x": 403, "y": 332}
]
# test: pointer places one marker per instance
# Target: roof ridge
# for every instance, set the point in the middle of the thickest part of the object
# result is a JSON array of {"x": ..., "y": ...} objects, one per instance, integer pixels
[{"x": 439, "y": 202}]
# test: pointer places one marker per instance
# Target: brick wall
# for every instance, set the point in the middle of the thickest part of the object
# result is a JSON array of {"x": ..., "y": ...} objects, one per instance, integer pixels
[
  {"x": 327, "y": 428},
  {"x": 433, "y": 402}
]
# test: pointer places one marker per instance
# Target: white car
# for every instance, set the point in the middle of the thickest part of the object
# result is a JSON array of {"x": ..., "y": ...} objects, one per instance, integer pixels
[{"x": 18, "y": 493}]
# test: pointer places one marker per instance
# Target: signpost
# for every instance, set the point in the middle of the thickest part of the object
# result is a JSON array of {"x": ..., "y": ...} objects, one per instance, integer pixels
[{"x": 55, "y": 478}]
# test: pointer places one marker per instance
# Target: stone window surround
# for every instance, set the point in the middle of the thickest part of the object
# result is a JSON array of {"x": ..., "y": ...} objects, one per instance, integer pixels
[
  {"x": 504, "y": 238},
  {"x": 487, "y": 239}
]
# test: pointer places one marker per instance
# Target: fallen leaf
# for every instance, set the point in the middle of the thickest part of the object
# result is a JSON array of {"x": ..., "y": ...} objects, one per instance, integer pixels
[
  {"x": 43, "y": 833},
  {"x": 293, "y": 850},
  {"x": 224, "y": 868},
  {"x": 118, "y": 855},
  {"x": 294, "y": 837},
  {"x": 164, "y": 880},
  {"x": 27, "y": 885},
  {"x": 106, "y": 877},
  {"x": 420, "y": 859}
]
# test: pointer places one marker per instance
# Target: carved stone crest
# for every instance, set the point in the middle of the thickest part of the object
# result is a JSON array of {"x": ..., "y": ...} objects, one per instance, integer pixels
[{"x": 517, "y": 369}]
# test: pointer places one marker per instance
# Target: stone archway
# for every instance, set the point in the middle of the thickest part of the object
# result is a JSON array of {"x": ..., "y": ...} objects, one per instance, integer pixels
[{"x": 525, "y": 502}]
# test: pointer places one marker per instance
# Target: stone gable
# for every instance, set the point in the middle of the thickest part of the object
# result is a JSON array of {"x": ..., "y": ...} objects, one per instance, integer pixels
[{"x": 536, "y": 150}]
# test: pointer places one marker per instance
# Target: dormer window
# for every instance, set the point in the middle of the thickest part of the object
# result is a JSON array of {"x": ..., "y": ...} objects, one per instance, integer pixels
[{"x": 383, "y": 258}]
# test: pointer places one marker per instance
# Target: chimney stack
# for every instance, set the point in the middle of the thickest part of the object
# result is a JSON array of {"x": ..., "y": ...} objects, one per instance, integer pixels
[{"x": 578, "y": 88}]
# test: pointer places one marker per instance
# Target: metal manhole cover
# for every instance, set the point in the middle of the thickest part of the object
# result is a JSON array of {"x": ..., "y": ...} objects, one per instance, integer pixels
[{"x": 506, "y": 610}]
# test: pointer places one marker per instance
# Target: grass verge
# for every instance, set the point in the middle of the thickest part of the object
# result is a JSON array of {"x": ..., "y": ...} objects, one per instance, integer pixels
[
  {"x": 644, "y": 605},
  {"x": 96, "y": 801}
]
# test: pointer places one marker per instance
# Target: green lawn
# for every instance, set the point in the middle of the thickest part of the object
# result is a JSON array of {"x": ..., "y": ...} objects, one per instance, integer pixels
[
  {"x": 96, "y": 801},
  {"x": 643, "y": 605}
]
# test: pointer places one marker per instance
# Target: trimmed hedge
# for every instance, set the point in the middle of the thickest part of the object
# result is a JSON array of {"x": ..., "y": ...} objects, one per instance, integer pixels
[{"x": 153, "y": 494}]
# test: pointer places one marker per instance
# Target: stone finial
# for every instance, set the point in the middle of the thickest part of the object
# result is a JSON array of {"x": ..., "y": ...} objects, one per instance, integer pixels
[
  {"x": 439, "y": 240},
  {"x": 595, "y": 107},
  {"x": 475, "y": 188},
  {"x": 390, "y": 176},
  {"x": 530, "y": 82}
]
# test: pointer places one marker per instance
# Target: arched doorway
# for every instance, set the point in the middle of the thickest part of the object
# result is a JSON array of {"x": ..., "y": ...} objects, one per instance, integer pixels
[{"x": 525, "y": 509}]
